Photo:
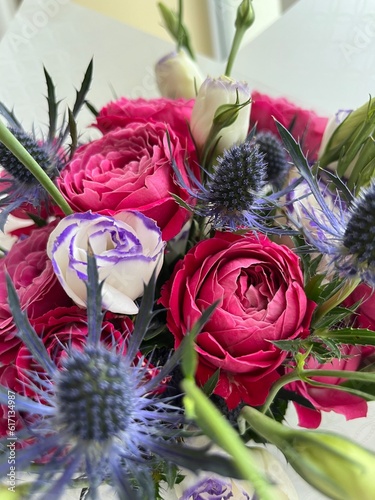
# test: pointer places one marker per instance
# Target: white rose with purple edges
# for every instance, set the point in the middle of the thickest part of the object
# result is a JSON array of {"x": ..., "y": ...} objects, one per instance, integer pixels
[{"x": 127, "y": 246}]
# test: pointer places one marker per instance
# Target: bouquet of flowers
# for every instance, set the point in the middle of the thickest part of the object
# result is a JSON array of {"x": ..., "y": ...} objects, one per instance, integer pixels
[{"x": 169, "y": 288}]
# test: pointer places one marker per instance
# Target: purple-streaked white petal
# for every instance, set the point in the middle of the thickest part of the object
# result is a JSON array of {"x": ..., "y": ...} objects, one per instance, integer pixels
[{"x": 128, "y": 247}]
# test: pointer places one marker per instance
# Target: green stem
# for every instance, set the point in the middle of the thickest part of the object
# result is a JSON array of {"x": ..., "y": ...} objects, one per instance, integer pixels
[
  {"x": 180, "y": 35},
  {"x": 362, "y": 376},
  {"x": 336, "y": 299},
  {"x": 273, "y": 431},
  {"x": 234, "y": 49},
  {"x": 304, "y": 375},
  {"x": 15, "y": 147},
  {"x": 217, "y": 428},
  {"x": 284, "y": 380}
]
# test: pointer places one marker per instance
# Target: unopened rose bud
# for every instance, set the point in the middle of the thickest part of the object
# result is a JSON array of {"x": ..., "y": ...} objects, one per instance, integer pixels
[
  {"x": 221, "y": 111},
  {"x": 336, "y": 466},
  {"x": 177, "y": 75}
]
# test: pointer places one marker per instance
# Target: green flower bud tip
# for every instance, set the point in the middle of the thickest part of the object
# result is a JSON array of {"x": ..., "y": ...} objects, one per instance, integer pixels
[
  {"x": 356, "y": 127},
  {"x": 335, "y": 466},
  {"x": 245, "y": 15},
  {"x": 169, "y": 18}
]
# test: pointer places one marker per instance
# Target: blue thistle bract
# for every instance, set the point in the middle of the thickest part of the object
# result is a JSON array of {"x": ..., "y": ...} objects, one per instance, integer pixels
[{"x": 101, "y": 418}]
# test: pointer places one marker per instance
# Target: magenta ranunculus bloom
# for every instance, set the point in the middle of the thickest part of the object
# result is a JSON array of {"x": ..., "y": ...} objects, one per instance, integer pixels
[
  {"x": 259, "y": 286},
  {"x": 130, "y": 168},
  {"x": 305, "y": 125},
  {"x": 365, "y": 312},
  {"x": 326, "y": 399},
  {"x": 175, "y": 113}
]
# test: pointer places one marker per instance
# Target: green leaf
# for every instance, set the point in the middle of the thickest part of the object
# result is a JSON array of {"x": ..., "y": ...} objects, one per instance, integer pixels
[
  {"x": 92, "y": 108},
  {"x": 80, "y": 97},
  {"x": 176, "y": 28},
  {"x": 189, "y": 355},
  {"x": 26, "y": 332},
  {"x": 333, "y": 317},
  {"x": 364, "y": 167},
  {"x": 345, "y": 193},
  {"x": 350, "y": 130},
  {"x": 211, "y": 383},
  {"x": 52, "y": 106},
  {"x": 94, "y": 299},
  {"x": 9, "y": 116},
  {"x": 364, "y": 395},
  {"x": 353, "y": 336},
  {"x": 73, "y": 133},
  {"x": 181, "y": 202},
  {"x": 313, "y": 287},
  {"x": 38, "y": 221},
  {"x": 85, "y": 87}
]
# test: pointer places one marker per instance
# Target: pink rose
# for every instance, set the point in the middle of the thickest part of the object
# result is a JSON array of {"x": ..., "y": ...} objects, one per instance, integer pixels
[
  {"x": 324, "y": 399},
  {"x": 130, "y": 169},
  {"x": 36, "y": 284},
  {"x": 259, "y": 285},
  {"x": 305, "y": 125}
]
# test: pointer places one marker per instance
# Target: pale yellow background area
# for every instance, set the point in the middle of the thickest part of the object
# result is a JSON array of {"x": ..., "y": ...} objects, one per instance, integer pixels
[{"x": 144, "y": 15}]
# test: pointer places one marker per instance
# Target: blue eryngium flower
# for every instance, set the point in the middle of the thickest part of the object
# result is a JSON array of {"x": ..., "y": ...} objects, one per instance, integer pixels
[
  {"x": 232, "y": 196},
  {"x": 277, "y": 166},
  {"x": 51, "y": 152},
  {"x": 346, "y": 234},
  {"x": 20, "y": 186},
  {"x": 100, "y": 418}
]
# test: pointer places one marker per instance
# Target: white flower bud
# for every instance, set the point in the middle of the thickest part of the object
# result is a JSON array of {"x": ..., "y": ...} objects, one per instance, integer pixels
[
  {"x": 178, "y": 76},
  {"x": 234, "y": 126}
]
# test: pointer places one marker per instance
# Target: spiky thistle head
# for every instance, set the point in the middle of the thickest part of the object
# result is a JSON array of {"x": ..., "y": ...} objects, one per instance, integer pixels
[
  {"x": 359, "y": 237},
  {"x": 18, "y": 186},
  {"x": 41, "y": 152},
  {"x": 95, "y": 394},
  {"x": 100, "y": 417},
  {"x": 233, "y": 191},
  {"x": 275, "y": 157}
]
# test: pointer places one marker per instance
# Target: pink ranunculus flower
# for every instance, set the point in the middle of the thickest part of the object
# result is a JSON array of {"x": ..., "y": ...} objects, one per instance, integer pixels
[
  {"x": 36, "y": 285},
  {"x": 365, "y": 313},
  {"x": 259, "y": 286},
  {"x": 326, "y": 399},
  {"x": 175, "y": 113},
  {"x": 305, "y": 125},
  {"x": 130, "y": 168},
  {"x": 128, "y": 248}
]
